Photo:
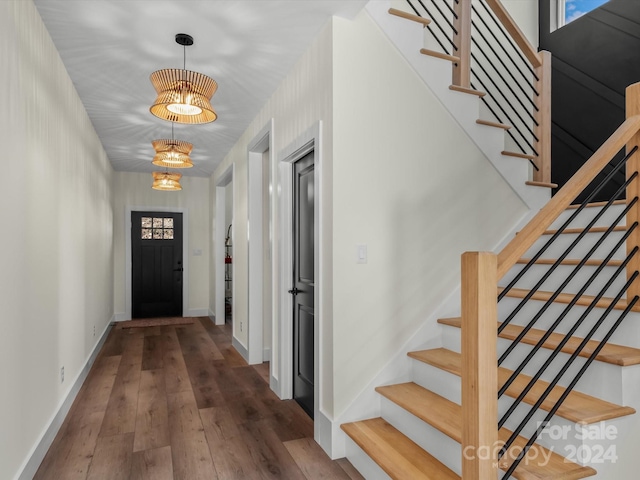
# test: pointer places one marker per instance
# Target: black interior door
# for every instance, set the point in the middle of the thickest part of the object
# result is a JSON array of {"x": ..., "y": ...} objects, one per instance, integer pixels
[
  {"x": 303, "y": 284},
  {"x": 156, "y": 256}
]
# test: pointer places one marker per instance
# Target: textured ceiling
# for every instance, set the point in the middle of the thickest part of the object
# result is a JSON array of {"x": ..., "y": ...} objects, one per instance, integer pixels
[{"x": 110, "y": 47}]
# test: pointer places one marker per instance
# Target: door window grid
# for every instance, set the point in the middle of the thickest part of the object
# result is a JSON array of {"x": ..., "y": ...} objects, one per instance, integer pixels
[{"x": 157, "y": 228}]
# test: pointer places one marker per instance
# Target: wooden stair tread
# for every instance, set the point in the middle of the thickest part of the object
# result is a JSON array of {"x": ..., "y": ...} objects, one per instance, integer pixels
[
  {"x": 518, "y": 155},
  {"x": 597, "y": 204},
  {"x": 541, "y": 184},
  {"x": 610, "y": 353},
  {"x": 578, "y": 407},
  {"x": 446, "y": 416},
  {"x": 410, "y": 16},
  {"x": 470, "y": 91},
  {"x": 571, "y": 261},
  {"x": 443, "y": 56},
  {"x": 584, "y": 300},
  {"x": 617, "y": 228},
  {"x": 489, "y": 123},
  {"x": 396, "y": 454}
]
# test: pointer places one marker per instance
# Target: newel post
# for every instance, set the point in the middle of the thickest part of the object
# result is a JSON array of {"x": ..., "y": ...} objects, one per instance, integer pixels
[
  {"x": 543, "y": 117},
  {"x": 633, "y": 190},
  {"x": 479, "y": 366},
  {"x": 462, "y": 40}
]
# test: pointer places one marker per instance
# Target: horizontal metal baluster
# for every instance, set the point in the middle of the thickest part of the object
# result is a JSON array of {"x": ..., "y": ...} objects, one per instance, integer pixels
[
  {"x": 558, "y": 262},
  {"x": 507, "y": 84},
  {"x": 557, "y": 378},
  {"x": 509, "y": 119},
  {"x": 586, "y": 201},
  {"x": 506, "y": 54},
  {"x": 559, "y": 347},
  {"x": 572, "y": 385},
  {"x": 507, "y": 69},
  {"x": 490, "y": 78},
  {"x": 431, "y": 31},
  {"x": 509, "y": 39}
]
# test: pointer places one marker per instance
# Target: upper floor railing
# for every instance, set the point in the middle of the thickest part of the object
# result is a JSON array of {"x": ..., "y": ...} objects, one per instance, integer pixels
[{"x": 491, "y": 55}]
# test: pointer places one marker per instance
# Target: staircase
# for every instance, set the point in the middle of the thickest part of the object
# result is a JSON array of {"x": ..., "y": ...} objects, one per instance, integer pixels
[
  {"x": 419, "y": 432},
  {"x": 518, "y": 150},
  {"x": 539, "y": 375}
]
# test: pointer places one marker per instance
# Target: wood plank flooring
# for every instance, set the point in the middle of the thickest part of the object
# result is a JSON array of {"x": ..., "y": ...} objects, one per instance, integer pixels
[{"x": 179, "y": 403}]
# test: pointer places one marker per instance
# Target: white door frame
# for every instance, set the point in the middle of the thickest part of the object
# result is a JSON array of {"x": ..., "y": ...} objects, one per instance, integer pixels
[
  {"x": 218, "y": 245},
  {"x": 260, "y": 144},
  {"x": 128, "y": 284},
  {"x": 309, "y": 141}
]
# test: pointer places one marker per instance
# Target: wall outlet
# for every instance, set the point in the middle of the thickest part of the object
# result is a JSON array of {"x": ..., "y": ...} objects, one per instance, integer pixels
[
  {"x": 240, "y": 326},
  {"x": 61, "y": 374},
  {"x": 94, "y": 330}
]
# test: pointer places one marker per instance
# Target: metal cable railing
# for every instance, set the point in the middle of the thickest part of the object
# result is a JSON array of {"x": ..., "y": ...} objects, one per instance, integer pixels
[
  {"x": 497, "y": 68},
  {"x": 532, "y": 318}
]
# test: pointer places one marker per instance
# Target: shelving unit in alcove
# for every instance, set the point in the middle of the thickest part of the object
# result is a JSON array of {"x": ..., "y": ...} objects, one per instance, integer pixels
[{"x": 228, "y": 259}]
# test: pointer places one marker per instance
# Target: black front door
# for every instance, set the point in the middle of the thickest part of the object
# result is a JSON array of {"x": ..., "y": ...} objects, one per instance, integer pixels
[
  {"x": 303, "y": 283},
  {"x": 156, "y": 257}
]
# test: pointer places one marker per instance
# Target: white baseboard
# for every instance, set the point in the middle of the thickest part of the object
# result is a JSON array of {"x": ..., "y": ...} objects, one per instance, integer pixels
[
  {"x": 212, "y": 317},
  {"x": 121, "y": 317},
  {"x": 266, "y": 354},
  {"x": 198, "y": 312},
  {"x": 34, "y": 459},
  {"x": 242, "y": 350}
]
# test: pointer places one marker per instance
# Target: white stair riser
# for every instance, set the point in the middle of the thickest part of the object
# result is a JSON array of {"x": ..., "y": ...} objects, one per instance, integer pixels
[
  {"x": 445, "y": 384},
  {"x": 602, "y": 380},
  {"x": 429, "y": 438},
  {"x": 588, "y": 214},
  {"x": 438, "y": 381},
  {"x": 561, "y": 273},
  {"x": 560, "y": 245},
  {"x": 362, "y": 462},
  {"x": 628, "y": 333}
]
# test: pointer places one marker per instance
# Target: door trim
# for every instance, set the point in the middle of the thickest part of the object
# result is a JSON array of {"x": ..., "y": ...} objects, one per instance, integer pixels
[
  {"x": 218, "y": 245},
  {"x": 261, "y": 143},
  {"x": 128, "y": 285},
  {"x": 311, "y": 140}
]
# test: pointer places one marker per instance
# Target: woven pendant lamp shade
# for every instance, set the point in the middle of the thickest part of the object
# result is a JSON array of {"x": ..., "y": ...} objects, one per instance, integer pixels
[
  {"x": 167, "y": 181},
  {"x": 172, "y": 153},
  {"x": 183, "y": 96}
]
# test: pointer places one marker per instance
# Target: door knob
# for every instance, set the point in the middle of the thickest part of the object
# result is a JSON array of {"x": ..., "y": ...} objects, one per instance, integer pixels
[{"x": 295, "y": 291}]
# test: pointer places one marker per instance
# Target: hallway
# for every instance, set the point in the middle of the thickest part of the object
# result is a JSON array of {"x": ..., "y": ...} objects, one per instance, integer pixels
[{"x": 178, "y": 402}]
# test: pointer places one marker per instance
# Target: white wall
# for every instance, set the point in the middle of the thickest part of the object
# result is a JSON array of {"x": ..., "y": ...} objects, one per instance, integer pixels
[
  {"x": 300, "y": 101},
  {"x": 56, "y": 244},
  {"x": 525, "y": 14},
  {"x": 409, "y": 184},
  {"x": 134, "y": 190}
]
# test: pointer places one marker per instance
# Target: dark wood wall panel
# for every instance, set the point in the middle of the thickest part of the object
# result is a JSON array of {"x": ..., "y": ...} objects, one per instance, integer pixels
[{"x": 594, "y": 59}]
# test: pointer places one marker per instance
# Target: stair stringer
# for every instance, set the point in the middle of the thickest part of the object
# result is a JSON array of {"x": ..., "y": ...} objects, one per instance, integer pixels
[{"x": 408, "y": 38}]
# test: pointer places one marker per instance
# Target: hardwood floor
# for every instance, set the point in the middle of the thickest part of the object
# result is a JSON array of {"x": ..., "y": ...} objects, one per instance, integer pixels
[{"x": 178, "y": 402}]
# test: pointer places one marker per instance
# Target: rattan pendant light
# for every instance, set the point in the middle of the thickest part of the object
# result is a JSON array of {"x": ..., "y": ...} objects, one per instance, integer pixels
[
  {"x": 167, "y": 181},
  {"x": 183, "y": 96},
  {"x": 172, "y": 153}
]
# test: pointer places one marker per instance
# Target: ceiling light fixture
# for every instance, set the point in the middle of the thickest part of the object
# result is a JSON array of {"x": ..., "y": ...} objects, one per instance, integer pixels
[
  {"x": 172, "y": 153},
  {"x": 167, "y": 181},
  {"x": 183, "y": 96}
]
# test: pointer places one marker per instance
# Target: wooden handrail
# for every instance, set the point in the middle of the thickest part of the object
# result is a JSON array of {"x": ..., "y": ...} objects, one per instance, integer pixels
[
  {"x": 529, "y": 50},
  {"x": 479, "y": 368},
  {"x": 567, "y": 194}
]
